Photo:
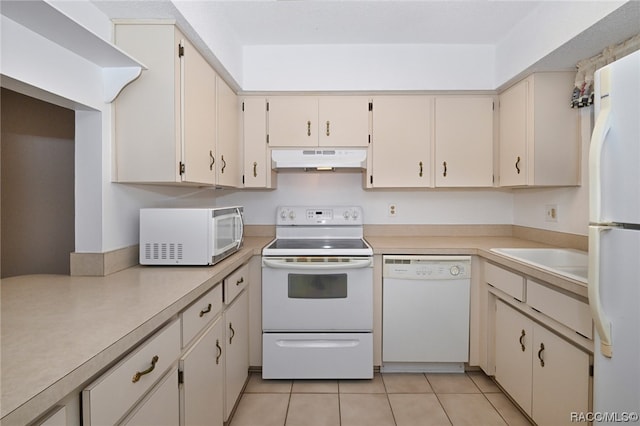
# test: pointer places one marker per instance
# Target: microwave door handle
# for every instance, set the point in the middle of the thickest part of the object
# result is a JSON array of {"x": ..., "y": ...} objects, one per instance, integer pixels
[{"x": 241, "y": 236}]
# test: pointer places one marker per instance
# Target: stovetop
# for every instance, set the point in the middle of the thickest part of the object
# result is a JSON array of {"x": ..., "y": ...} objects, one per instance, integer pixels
[
  {"x": 317, "y": 243},
  {"x": 319, "y": 231}
]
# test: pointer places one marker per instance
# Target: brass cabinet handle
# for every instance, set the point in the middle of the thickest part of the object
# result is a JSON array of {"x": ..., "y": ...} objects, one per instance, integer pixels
[
  {"x": 444, "y": 165},
  {"x": 219, "y": 354},
  {"x": 205, "y": 311},
  {"x": 420, "y": 173},
  {"x": 308, "y": 128},
  {"x": 521, "y": 340},
  {"x": 139, "y": 374},
  {"x": 233, "y": 332},
  {"x": 328, "y": 130},
  {"x": 518, "y": 165},
  {"x": 540, "y": 354},
  {"x": 213, "y": 160},
  {"x": 255, "y": 169},
  {"x": 240, "y": 281},
  {"x": 224, "y": 163}
]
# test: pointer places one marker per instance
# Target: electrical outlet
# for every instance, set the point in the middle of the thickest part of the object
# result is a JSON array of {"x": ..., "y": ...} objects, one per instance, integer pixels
[
  {"x": 392, "y": 211},
  {"x": 551, "y": 213}
]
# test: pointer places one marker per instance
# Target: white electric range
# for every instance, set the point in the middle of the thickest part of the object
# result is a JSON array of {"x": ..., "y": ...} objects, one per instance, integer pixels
[{"x": 317, "y": 295}]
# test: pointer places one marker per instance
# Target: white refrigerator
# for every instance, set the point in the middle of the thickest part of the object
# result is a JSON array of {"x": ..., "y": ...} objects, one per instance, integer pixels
[{"x": 614, "y": 241}]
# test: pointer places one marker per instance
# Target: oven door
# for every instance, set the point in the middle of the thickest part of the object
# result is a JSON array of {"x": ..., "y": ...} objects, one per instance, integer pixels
[{"x": 332, "y": 293}]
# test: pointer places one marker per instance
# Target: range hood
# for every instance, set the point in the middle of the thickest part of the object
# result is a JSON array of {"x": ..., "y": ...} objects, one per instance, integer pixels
[{"x": 318, "y": 159}]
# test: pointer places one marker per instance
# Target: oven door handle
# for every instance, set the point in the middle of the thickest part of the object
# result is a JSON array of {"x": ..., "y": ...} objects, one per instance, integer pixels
[{"x": 351, "y": 264}]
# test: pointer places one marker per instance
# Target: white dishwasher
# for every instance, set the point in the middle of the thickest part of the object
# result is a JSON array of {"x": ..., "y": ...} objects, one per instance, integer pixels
[{"x": 425, "y": 313}]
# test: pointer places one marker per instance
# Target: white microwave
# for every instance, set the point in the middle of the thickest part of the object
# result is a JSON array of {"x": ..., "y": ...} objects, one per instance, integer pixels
[{"x": 184, "y": 236}]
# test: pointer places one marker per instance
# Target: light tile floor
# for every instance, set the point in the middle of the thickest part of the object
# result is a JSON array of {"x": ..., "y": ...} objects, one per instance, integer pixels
[{"x": 386, "y": 400}]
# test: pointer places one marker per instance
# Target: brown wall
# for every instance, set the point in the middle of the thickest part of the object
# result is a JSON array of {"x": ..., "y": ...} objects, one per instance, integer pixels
[{"x": 37, "y": 186}]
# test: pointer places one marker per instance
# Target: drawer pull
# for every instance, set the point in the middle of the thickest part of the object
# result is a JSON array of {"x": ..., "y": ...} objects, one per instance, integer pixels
[
  {"x": 540, "y": 354},
  {"x": 420, "y": 172},
  {"x": 205, "y": 311},
  {"x": 240, "y": 281},
  {"x": 233, "y": 332},
  {"x": 139, "y": 374},
  {"x": 518, "y": 165},
  {"x": 521, "y": 340},
  {"x": 219, "y": 354}
]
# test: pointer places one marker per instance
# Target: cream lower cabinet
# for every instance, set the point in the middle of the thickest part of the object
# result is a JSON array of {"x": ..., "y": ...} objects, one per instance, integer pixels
[
  {"x": 190, "y": 381},
  {"x": 202, "y": 387},
  {"x": 401, "y": 142},
  {"x": 236, "y": 345},
  {"x": 546, "y": 375},
  {"x": 160, "y": 408}
]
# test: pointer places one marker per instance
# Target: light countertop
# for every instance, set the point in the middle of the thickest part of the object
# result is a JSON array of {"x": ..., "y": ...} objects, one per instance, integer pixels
[{"x": 98, "y": 319}]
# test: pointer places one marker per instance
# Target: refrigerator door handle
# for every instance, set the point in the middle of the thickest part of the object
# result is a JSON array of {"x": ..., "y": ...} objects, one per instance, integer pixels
[
  {"x": 600, "y": 130},
  {"x": 602, "y": 323}
]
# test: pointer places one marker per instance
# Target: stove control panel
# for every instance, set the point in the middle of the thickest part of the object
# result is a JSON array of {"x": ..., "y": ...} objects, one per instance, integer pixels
[{"x": 311, "y": 215}]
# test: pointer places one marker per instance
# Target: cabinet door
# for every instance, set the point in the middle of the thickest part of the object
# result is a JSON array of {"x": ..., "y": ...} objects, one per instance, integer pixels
[
  {"x": 293, "y": 121},
  {"x": 514, "y": 345},
  {"x": 161, "y": 407},
  {"x": 344, "y": 121},
  {"x": 228, "y": 142},
  {"x": 464, "y": 142},
  {"x": 401, "y": 142},
  {"x": 560, "y": 379},
  {"x": 203, "y": 378},
  {"x": 146, "y": 114},
  {"x": 254, "y": 131},
  {"x": 513, "y": 135},
  {"x": 237, "y": 350},
  {"x": 198, "y": 106}
]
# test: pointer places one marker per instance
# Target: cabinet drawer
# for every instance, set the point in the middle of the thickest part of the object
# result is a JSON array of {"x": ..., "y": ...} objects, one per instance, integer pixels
[
  {"x": 107, "y": 399},
  {"x": 198, "y": 315},
  {"x": 563, "y": 308},
  {"x": 235, "y": 283},
  {"x": 510, "y": 283}
]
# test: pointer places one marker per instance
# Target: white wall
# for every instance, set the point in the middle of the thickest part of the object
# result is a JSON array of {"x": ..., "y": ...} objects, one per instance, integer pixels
[
  {"x": 549, "y": 27},
  {"x": 368, "y": 67},
  {"x": 427, "y": 206}
]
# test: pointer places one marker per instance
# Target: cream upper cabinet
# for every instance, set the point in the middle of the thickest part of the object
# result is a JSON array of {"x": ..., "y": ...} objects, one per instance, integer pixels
[
  {"x": 309, "y": 121},
  {"x": 344, "y": 121},
  {"x": 539, "y": 132},
  {"x": 546, "y": 375},
  {"x": 293, "y": 121},
  {"x": 257, "y": 165},
  {"x": 401, "y": 142},
  {"x": 463, "y": 141},
  {"x": 165, "y": 126},
  {"x": 228, "y": 148}
]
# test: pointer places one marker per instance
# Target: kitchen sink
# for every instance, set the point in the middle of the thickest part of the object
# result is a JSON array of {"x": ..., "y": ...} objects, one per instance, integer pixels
[{"x": 567, "y": 262}]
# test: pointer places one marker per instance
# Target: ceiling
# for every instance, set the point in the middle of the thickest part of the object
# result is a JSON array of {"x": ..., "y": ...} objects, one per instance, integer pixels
[
  {"x": 378, "y": 22},
  {"x": 346, "y": 22}
]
